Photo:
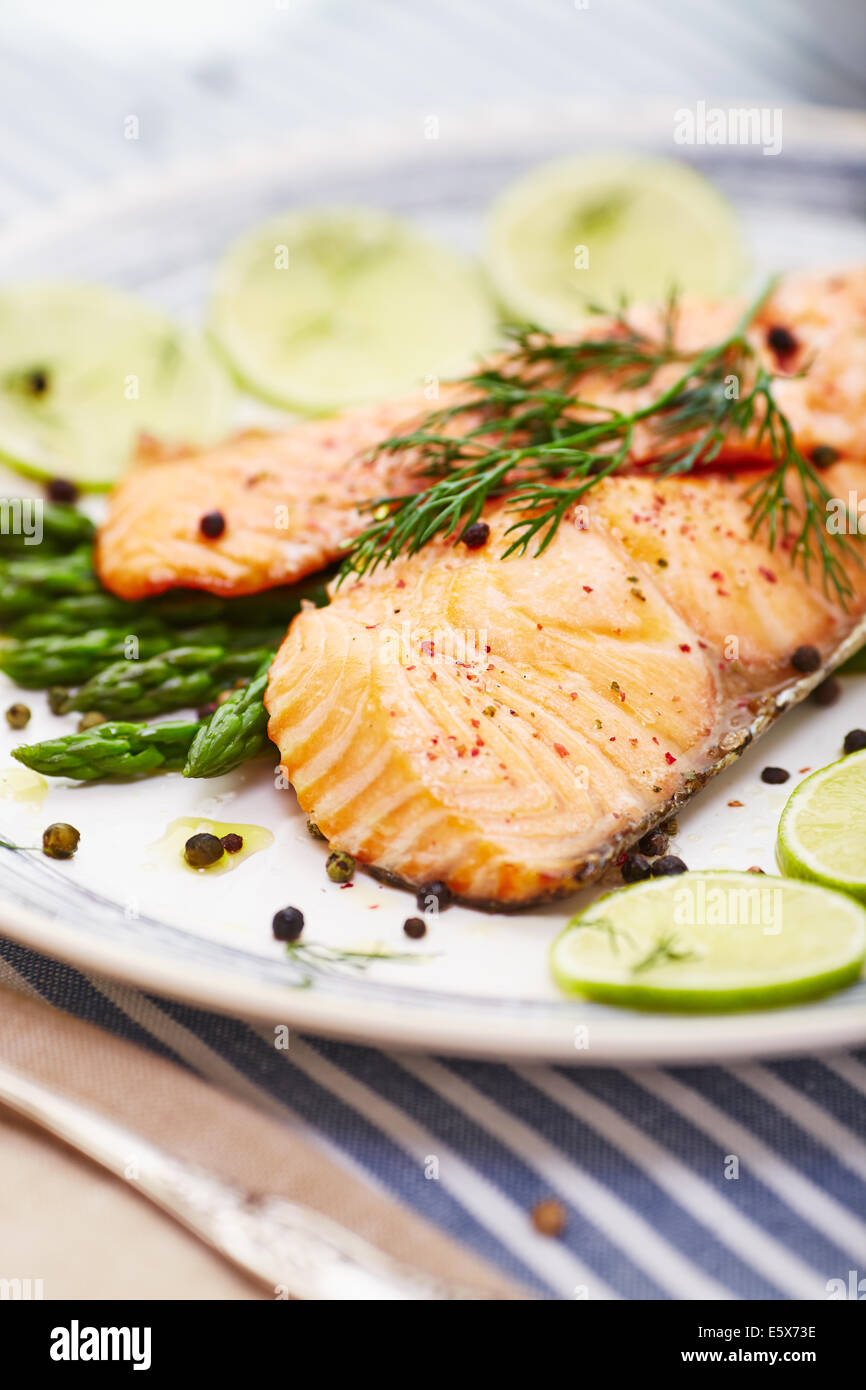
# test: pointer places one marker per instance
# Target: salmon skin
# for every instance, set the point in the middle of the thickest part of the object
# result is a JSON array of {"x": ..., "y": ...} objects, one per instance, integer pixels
[
  {"x": 291, "y": 501},
  {"x": 510, "y": 727}
]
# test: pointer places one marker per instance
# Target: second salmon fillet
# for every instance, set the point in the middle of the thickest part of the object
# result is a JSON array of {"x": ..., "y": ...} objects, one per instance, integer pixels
[{"x": 289, "y": 502}]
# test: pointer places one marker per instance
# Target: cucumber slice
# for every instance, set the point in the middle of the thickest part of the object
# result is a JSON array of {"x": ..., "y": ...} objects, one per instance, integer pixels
[
  {"x": 822, "y": 832},
  {"x": 324, "y": 309},
  {"x": 597, "y": 229},
  {"x": 712, "y": 942},
  {"x": 85, "y": 371}
]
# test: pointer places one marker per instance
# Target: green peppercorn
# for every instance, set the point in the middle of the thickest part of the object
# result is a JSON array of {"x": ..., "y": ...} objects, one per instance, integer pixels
[
  {"x": 314, "y": 832},
  {"x": 59, "y": 699},
  {"x": 90, "y": 720},
  {"x": 17, "y": 716},
  {"x": 202, "y": 850},
  {"x": 340, "y": 866},
  {"x": 60, "y": 841}
]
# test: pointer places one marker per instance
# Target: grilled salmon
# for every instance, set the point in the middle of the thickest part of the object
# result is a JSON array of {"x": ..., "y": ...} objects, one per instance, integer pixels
[
  {"x": 288, "y": 502},
  {"x": 510, "y": 726}
]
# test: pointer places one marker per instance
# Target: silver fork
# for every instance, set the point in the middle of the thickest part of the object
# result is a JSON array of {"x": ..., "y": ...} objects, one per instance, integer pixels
[{"x": 291, "y": 1250}]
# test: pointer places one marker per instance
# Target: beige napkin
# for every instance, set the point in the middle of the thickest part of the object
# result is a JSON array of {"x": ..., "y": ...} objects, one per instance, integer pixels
[{"x": 86, "y": 1234}]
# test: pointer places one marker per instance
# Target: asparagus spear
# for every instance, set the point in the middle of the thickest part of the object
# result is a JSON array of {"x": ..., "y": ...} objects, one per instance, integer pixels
[
  {"x": 235, "y": 732},
  {"x": 173, "y": 679},
  {"x": 25, "y": 583},
  {"x": 82, "y": 604},
  {"x": 63, "y": 528},
  {"x": 74, "y": 614},
  {"x": 111, "y": 750},
  {"x": 45, "y": 661}
]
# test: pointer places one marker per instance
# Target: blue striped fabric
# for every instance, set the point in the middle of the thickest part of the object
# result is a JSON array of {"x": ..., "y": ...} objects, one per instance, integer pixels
[
  {"x": 701, "y": 1182},
  {"x": 744, "y": 1182}
]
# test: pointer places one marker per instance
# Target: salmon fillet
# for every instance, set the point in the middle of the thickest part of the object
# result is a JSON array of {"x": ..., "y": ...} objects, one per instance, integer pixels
[
  {"x": 509, "y": 727},
  {"x": 290, "y": 501}
]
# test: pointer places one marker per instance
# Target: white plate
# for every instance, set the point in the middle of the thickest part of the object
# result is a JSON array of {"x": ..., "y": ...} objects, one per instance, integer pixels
[{"x": 480, "y": 984}]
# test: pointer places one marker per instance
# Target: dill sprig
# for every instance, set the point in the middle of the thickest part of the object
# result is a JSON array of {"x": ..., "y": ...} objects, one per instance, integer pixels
[
  {"x": 521, "y": 430},
  {"x": 316, "y": 957},
  {"x": 666, "y": 949}
]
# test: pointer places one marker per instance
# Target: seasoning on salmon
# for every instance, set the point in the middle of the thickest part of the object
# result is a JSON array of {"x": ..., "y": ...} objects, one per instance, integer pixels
[
  {"x": 289, "y": 502},
  {"x": 382, "y": 751}
]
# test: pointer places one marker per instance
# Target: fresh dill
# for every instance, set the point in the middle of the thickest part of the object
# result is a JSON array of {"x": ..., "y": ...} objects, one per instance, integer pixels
[
  {"x": 520, "y": 430},
  {"x": 665, "y": 950},
  {"x": 315, "y": 956}
]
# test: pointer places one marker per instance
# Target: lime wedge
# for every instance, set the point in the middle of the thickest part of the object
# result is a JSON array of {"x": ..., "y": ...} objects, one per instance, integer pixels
[
  {"x": 318, "y": 310},
  {"x": 708, "y": 942},
  {"x": 85, "y": 371},
  {"x": 597, "y": 229},
  {"x": 822, "y": 833}
]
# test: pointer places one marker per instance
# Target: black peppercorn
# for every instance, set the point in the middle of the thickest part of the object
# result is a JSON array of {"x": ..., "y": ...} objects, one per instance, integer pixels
[
  {"x": 232, "y": 843},
  {"x": 212, "y": 525},
  {"x": 782, "y": 341},
  {"x": 435, "y": 896},
  {"x": 415, "y": 928},
  {"x": 855, "y": 740},
  {"x": 827, "y": 693},
  {"x": 476, "y": 535},
  {"x": 775, "y": 775},
  {"x": 823, "y": 455},
  {"x": 61, "y": 490},
  {"x": 655, "y": 842},
  {"x": 668, "y": 864},
  {"x": 634, "y": 868},
  {"x": 288, "y": 924},
  {"x": 806, "y": 660}
]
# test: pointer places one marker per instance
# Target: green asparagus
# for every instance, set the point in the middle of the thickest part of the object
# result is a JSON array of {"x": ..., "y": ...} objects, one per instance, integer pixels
[
  {"x": 235, "y": 732},
  {"x": 82, "y": 603},
  {"x": 44, "y": 661},
  {"x": 77, "y": 613},
  {"x": 61, "y": 528},
  {"x": 26, "y": 583},
  {"x": 111, "y": 750},
  {"x": 173, "y": 679}
]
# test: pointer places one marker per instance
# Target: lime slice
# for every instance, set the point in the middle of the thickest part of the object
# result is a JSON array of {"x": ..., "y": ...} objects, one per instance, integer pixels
[
  {"x": 317, "y": 310},
  {"x": 85, "y": 371},
  {"x": 708, "y": 942},
  {"x": 593, "y": 230},
  {"x": 822, "y": 833}
]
